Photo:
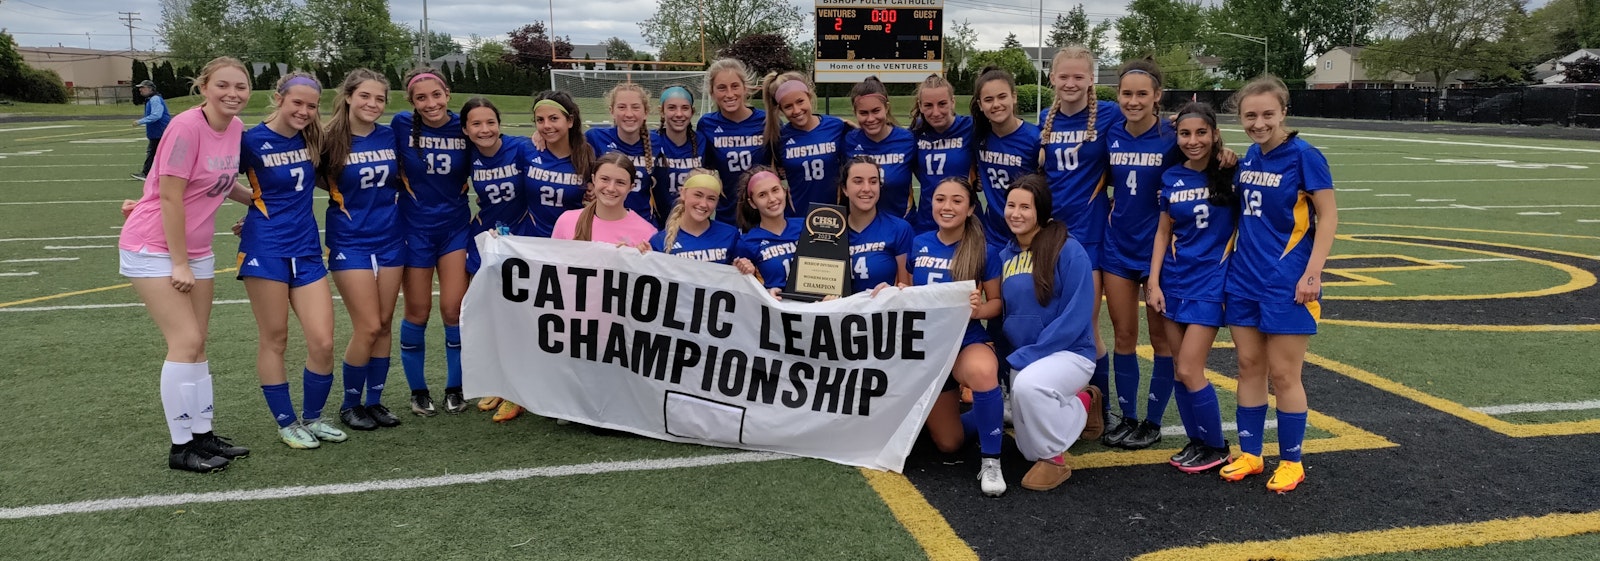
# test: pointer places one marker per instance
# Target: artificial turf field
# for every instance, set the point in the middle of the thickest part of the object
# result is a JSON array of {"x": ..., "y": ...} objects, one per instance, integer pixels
[{"x": 1454, "y": 389}]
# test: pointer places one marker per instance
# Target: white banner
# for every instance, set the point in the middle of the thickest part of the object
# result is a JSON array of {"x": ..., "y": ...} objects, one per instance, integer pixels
[{"x": 694, "y": 352}]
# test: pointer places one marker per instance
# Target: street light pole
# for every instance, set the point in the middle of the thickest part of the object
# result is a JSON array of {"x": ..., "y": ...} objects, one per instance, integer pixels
[{"x": 1253, "y": 39}]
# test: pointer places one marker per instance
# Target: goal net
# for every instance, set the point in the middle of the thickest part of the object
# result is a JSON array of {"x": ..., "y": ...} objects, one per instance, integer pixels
[{"x": 588, "y": 88}]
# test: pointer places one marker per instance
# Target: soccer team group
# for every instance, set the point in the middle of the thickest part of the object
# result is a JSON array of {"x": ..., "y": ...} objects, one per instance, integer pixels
[{"x": 1100, "y": 201}]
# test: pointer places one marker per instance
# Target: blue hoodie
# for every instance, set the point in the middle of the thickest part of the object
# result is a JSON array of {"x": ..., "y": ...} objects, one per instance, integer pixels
[
  {"x": 1065, "y": 323},
  {"x": 155, "y": 117}
]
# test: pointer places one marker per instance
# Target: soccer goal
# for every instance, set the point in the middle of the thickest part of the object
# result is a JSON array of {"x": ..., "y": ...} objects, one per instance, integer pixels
[{"x": 588, "y": 88}]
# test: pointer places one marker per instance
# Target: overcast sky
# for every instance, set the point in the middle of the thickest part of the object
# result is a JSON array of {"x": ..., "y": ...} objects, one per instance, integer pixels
[{"x": 49, "y": 22}]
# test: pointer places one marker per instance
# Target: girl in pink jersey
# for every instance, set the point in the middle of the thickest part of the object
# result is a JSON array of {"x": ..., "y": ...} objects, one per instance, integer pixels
[
  {"x": 605, "y": 218},
  {"x": 166, "y": 254}
]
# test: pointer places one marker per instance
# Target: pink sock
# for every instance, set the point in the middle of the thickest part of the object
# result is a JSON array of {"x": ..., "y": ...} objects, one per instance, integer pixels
[
  {"x": 1059, "y": 460},
  {"x": 1086, "y": 399}
]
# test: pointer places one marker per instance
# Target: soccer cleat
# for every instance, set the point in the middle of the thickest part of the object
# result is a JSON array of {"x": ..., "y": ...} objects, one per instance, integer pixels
[
  {"x": 1095, "y": 427},
  {"x": 1243, "y": 466},
  {"x": 297, "y": 437},
  {"x": 454, "y": 402},
  {"x": 1203, "y": 459},
  {"x": 488, "y": 403},
  {"x": 1188, "y": 450},
  {"x": 138, "y": 176},
  {"x": 1147, "y": 435},
  {"x": 357, "y": 418},
  {"x": 990, "y": 478},
  {"x": 382, "y": 416},
  {"x": 215, "y": 445},
  {"x": 422, "y": 404},
  {"x": 1124, "y": 429},
  {"x": 187, "y": 457},
  {"x": 1047, "y": 475},
  {"x": 1286, "y": 477},
  {"x": 507, "y": 411},
  {"x": 325, "y": 431}
]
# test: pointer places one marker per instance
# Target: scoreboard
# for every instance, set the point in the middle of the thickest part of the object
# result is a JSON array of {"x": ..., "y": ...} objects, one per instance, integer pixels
[{"x": 895, "y": 40}]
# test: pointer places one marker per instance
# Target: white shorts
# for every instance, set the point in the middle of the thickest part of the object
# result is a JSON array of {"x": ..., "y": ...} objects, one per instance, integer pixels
[{"x": 144, "y": 264}]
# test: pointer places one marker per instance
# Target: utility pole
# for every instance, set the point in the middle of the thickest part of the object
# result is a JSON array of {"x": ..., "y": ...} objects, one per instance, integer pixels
[
  {"x": 128, "y": 18},
  {"x": 427, "y": 39}
]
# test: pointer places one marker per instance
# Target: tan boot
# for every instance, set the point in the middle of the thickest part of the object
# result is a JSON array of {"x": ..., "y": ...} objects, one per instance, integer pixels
[
  {"x": 1096, "y": 425},
  {"x": 1047, "y": 475}
]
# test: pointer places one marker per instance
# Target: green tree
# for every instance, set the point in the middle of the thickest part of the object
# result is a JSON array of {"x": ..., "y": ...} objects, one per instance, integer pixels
[
  {"x": 1295, "y": 32},
  {"x": 1181, "y": 71},
  {"x": 762, "y": 53},
  {"x": 482, "y": 50},
  {"x": 1011, "y": 42},
  {"x": 618, "y": 49},
  {"x": 960, "y": 44},
  {"x": 675, "y": 27},
  {"x": 1585, "y": 70},
  {"x": 25, "y": 83},
  {"x": 1153, "y": 25},
  {"x": 1433, "y": 38},
  {"x": 357, "y": 33},
  {"x": 1073, "y": 28},
  {"x": 530, "y": 49},
  {"x": 1014, "y": 61},
  {"x": 439, "y": 44},
  {"x": 260, "y": 30}
]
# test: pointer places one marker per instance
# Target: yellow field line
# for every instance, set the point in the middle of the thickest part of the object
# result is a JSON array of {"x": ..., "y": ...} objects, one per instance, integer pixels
[
  {"x": 1469, "y": 230},
  {"x": 919, "y": 518},
  {"x": 82, "y": 292},
  {"x": 1374, "y": 542},
  {"x": 1577, "y": 279},
  {"x": 1465, "y": 413},
  {"x": 1459, "y": 327}
]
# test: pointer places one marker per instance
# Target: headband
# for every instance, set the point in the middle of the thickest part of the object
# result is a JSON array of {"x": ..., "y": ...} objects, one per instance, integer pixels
[
  {"x": 300, "y": 81},
  {"x": 422, "y": 76},
  {"x": 789, "y": 88},
  {"x": 761, "y": 175},
  {"x": 1135, "y": 71},
  {"x": 1191, "y": 116},
  {"x": 704, "y": 181},
  {"x": 676, "y": 92},
  {"x": 551, "y": 103}
]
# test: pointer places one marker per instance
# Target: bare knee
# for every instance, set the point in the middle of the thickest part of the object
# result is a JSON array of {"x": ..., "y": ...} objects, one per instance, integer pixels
[
  {"x": 319, "y": 349},
  {"x": 947, "y": 443},
  {"x": 450, "y": 316},
  {"x": 186, "y": 346},
  {"x": 273, "y": 341}
]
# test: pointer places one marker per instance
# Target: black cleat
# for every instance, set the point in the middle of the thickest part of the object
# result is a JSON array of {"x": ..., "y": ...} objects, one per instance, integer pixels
[
  {"x": 215, "y": 445},
  {"x": 421, "y": 404},
  {"x": 454, "y": 401},
  {"x": 357, "y": 418},
  {"x": 1114, "y": 437},
  {"x": 1147, "y": 435},
  {"x": 187, "y": 457},
  {"x": 382, "y": 416},
  {"x": 1205, "y": 458},
  {"x": 1188, "y": 450}
]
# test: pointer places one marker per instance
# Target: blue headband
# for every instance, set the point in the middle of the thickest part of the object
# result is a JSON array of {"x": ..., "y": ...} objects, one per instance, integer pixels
[
  {"x": 300, "y": 81},
  {"x": 676, "y": 91}
]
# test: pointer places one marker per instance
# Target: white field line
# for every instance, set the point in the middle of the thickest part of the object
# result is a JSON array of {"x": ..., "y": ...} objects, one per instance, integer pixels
[
  {"x": 1354, "y": 190},
  {"x": 39, "y": 128},
  {"x": 125, "y": 179},
  {"x": 1452, "y": 207},
  {"x": 60, "y": 247},
  {"x": 125, "y": 305},
  {"x": 1538, "y": 407},
  {"x": 1481, "y": 260},
  {"x": 1538, "y": 214},
  {"x": 1506, "y": 180},
  {"x": 1226, "y": 427},
  {"x": 59, "y": 238},
  {"x": 297, "y": 491},
  {"x": 130, "y": 179},
  {"x": 1436, "y": 200},
  {"x": 1444, "y": 142},
  {"x": 102, "y": 201},
  {"x": 39, "y": 259},
  {"x": 27, "y": 274},
  {"x": 1587, "y": 221},
  {"x": 1392, "y": 195}
]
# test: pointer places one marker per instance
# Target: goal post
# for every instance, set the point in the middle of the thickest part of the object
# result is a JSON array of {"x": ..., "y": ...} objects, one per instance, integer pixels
[{"x": 588, "y": 88}]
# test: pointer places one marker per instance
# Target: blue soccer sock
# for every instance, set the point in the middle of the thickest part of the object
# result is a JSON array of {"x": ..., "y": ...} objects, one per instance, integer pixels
[
  {"x": 452, "y": 357},
  {"x": 988, "y": 409},
  {"x": 315, "y": 388},
  {"x": 279, "y": 403},
  {"x": 969, "y": 426},
  {"x": 377, "y": 376},
  {"x": 1252, "y": 422},
  {"x": 1102, "y": 379},
  {"x": 1208, "y": 417},
  {"x": 1291, "y": 434},
  {"x": 1126, "y": 368},
  {"x": 1185, "y": 401},
  {"x": 355, "y": 380},
  {"x": 1161, "y": 381},
  {"x": 413, "y": 353}
]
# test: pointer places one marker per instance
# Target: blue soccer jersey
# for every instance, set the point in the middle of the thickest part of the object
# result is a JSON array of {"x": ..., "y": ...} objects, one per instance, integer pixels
[
  {"x": 940, "y": 155},
  {"x": 280, "y": 221},
  {"x": 436, "y": 169},
  {"x": 1137, "y": 163},
  {"x": 1196, "y": 263},
  {"x": 811, "y": 161},
  {"x": 672, "y": 165},
  {"x": 1277, "y": 224},
  {"x": 1001, "y": 160},
  {"x": 363, "y": 213},
  {"x": 1078, "y": 170},
  {"x": 641, "y": 200},
  {"x": 553, "y": 187},
  {"x": 1065, "y": 322},
  {"x": 930, "y": 263},
  {"x": 715, "y": 245},
  {"x": 501, "y": 186},
  {"x": 896, "y": 156},
  {"x": 874, "y": 249},
  {"x": 771, "y": 253},
  {"x": 731, "y": 148}
]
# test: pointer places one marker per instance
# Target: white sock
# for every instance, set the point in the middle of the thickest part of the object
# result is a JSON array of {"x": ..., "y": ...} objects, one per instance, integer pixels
[
  {"x": 173, "y": 403},
  {"x": 200, "y": 396}
]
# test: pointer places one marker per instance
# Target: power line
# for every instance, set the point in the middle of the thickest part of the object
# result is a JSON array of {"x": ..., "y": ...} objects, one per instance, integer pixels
[
  {"x": 129, "y": 18},
  {"x": 55, "y": 10}
]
